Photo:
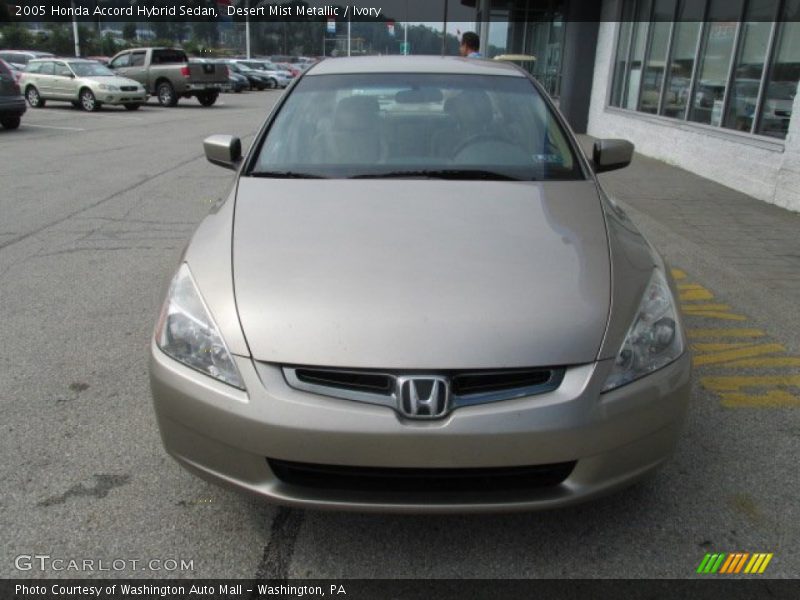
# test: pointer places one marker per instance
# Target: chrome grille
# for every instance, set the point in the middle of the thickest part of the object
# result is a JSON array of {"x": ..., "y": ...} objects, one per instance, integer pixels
[{"x": 467, "y": 388}]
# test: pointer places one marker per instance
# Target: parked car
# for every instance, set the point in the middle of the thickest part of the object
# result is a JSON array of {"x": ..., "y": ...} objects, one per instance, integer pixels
[
  {"x": 238, "y": 82},
  {"x": 422, "y": 300},
  {"x": 274, "y": 76},
  {"x": 256, "y": 79},
  {"x": 85, "y": 83},
  {"x": 20, "y": 58},
  {"x": 12, "y": 103},
  {"x": 169, "y": 75},
  {"x": 103, "y": 60},
  {"x": 293, "y": 70}
]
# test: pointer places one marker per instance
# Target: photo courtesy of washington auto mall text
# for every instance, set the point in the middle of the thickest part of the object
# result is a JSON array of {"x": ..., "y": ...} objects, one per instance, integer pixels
[{"x": 175, "y": 590}]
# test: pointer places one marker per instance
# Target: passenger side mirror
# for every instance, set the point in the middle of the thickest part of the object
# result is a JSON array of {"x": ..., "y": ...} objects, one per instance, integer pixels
[
  {"x": 223, "y": 150},
  {"x": 609, "y": 155}
]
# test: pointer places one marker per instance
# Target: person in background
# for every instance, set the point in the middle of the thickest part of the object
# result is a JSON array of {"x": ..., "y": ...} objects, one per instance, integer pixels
[{"x": 470, "y": 45}]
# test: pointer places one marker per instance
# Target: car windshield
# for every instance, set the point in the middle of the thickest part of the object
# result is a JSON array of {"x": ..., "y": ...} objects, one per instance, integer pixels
[
  {"x": 88, "y": 69},
  {"x": 417, "y": 126}
]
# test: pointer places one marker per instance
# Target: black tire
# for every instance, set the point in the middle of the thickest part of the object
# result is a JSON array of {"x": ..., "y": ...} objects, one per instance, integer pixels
[
  {"x": 272, "y": 83},
  {"x": 33, "y": 97},
  {"x": 132, "y": 106},
  {"x": 207, "y": 99},
  {"x": 11, "y": 122},
  {"x": 76, "y": 104},
  {"x": 166, "y": 94},
  {"x": 88, "y": 101}
]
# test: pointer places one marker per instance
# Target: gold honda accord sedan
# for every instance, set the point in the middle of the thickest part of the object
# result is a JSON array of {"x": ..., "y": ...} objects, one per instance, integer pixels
[
  {"x": 85, "y": 83},
  {"x": 418, "y": 298}
]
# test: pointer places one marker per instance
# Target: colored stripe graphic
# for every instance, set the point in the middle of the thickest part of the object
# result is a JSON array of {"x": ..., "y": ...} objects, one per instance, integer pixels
[
  {"x": 733, "y": 563},
  {"x": 711, "y": 563}
]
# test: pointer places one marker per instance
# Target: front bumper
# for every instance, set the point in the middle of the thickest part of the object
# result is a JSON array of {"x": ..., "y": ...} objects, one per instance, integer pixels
[
  {"x": 226, "y": 435},
  {"x": 107, "y": 97}
]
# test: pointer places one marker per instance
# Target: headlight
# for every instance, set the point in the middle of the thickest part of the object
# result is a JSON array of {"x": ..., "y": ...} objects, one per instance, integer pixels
[
  {"x": 110, "y": 88},
  {"x": 187, "y": 333},
  {"x": 654, "y": 339}
]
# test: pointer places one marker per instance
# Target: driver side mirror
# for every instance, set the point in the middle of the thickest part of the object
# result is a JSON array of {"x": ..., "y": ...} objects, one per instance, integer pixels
[
  {"x": 609, "y": 155},
  {"x": 223, "y": 151}
]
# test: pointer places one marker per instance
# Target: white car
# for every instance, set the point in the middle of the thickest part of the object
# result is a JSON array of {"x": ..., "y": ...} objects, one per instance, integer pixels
[{"x": 85, "y": 83}]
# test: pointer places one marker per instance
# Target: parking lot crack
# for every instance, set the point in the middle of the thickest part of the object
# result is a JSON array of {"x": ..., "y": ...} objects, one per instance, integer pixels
[
  {"x": 84, "y": 209},
  {"x": 279, "y": 549},
  {"x": 102, "y": 486}
]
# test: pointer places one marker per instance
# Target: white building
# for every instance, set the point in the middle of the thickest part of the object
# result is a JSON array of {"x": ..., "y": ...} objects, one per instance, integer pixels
[{"x": 722, "y": 108}]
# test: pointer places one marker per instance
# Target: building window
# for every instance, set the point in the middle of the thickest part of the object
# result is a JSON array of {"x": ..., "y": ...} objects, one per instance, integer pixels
[
  {"x": 685, "y": 37},
  {"x": 783, "y": 76},
  {"x": 733, "y": 64}
]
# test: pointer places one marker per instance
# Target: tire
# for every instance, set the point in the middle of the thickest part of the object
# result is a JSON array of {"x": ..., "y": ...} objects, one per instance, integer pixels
[
  {"x": 132, "y": 106},
  {"x": 271, "y": 83},
  {"x": 11, "y": 122},
  {"x": 88, "y": 101},
  {"x": 33, "y": 97},
  {"x": 207, "y": 99},
  {"x": 75, "y": 104},
  {"x": 166, "y": 94}
]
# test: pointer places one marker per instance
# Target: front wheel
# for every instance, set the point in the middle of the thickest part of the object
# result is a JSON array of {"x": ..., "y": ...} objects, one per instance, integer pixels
[
  {"x": 132, "y": 106},
  {"x": 88, "y": 102},
  {"x": 207, "y": 99},
  {"x": 11, "y": 122},
  {"x": 166, "y": 94},
  {"x": 33, "y": 97},
  {"x": 272, "y": 83}
]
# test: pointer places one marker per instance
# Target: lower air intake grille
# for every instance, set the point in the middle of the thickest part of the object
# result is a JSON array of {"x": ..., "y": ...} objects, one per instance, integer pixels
[{"x": 378, "y": 479}]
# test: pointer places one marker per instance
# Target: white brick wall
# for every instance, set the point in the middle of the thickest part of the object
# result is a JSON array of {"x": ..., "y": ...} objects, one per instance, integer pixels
[{"x": 763, "y": 169}]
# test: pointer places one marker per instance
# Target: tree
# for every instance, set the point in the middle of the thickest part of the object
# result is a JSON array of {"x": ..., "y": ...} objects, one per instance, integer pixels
[
  {"x": 129, "y": 32},
  {"x": 16, "y": 36}
]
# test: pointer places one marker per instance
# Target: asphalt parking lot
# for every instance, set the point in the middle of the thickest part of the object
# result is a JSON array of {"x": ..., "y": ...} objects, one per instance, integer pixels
[{"x": 96, "y": 209}]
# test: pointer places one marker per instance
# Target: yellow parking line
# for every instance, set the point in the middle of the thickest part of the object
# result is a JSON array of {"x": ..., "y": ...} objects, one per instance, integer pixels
[
  {"x": 772, "y": 399},
  {"x": 717, "y": 315},
  {"x": 773, "y": 361},
  {"x": 695, "y": 294},
  {"x": 715, "y": 358},
  {"x": 733, "y": 383},
  {"x": 725, "y": 333},
  {"x": 719, "y": 346},
  {"x": 678, "y": 274},
  {"x": 704, "y": 306}
]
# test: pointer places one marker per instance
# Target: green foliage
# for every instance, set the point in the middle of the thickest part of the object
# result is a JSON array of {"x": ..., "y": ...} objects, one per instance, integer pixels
[
  {"x": 17, "y": 36},
  {"x": 129, "y": 32}
]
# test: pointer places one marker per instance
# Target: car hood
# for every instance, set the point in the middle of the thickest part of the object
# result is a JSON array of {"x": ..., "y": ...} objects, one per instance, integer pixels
[{"x": 421, "y": 274}]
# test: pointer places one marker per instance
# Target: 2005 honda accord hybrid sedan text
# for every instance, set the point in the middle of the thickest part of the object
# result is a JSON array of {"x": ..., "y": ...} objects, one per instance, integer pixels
[{"x": 418, "y": 298}]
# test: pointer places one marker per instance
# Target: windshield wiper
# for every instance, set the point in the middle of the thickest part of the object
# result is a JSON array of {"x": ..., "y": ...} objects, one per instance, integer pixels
[
  {"x": 287, "y": 175},
  {"x": 458, "y": 174}
]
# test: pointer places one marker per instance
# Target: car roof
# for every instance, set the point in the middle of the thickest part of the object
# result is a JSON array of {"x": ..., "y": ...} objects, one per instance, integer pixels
[
  {"x": 413, "y": 64},
  {"x": 62, "y": 58},
  {"x": 30, "y": 52}
]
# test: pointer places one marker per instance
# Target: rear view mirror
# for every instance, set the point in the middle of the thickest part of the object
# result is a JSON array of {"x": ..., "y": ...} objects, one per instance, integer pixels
[
  {"x": 223, "y": 150},
  {"x": 609, "y": 155}
]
